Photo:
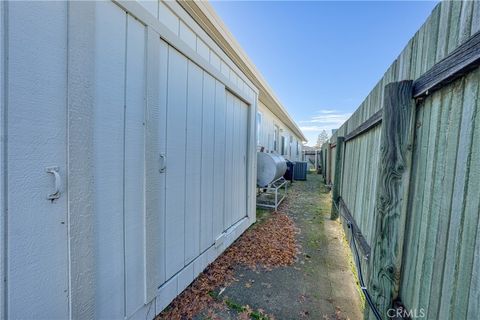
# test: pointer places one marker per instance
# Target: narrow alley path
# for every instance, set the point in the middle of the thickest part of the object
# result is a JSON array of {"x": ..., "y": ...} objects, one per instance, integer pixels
[
  {"x": 318, "y": 284},
  {"x": 321, "y": 284}
]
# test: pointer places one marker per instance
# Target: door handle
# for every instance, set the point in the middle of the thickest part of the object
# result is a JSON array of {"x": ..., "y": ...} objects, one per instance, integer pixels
[
  {"x": 163, "y": 163},
  {"x": 58, "y": 183}
]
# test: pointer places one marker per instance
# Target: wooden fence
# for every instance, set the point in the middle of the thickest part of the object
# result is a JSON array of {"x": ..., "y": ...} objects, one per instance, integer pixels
[{"x": 405, "y": 173}]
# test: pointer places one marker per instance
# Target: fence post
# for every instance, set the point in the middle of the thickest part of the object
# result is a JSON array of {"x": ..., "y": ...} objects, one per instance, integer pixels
[
  {"x": 320, "y": 160},
  {"x": 391, "y": 199},
  {"x": 329, "y": 164},
  {"x": 324, "y": 164},
  {"x": 338, "y": 177}
]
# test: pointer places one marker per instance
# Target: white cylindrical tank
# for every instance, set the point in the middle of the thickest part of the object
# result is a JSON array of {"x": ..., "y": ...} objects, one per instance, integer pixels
[{"x": 270, "y": 167}]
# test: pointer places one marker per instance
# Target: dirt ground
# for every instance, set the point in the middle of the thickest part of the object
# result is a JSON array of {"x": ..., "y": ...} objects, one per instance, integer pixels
[
  {"x": 320, "y": 284},
  {"x": 291, "y": 264}
]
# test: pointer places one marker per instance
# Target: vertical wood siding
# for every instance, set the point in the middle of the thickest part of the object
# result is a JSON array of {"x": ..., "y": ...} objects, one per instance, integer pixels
[
  {"x": 162, "y": 137},
  {"x": 36, "y": 92},
  {"x": 441, "y": 252},
  {"x": 202, "y": 131},
  {"x": 193, "y": 169},
  {"x": 208, "y": 140},
  {"x": 119, "y": 135},
  {"x": 109, "y": 144},
  {"x": 134, "y": 164},
  {"x": 2, "y": 159},
  {"x": 219, "y": 164},
  {"x": 157, "y": 87},
  {"x": 176, "y": 161}
]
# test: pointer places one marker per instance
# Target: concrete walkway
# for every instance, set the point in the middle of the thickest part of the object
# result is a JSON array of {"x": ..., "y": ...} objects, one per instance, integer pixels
[{"x": 321, "y": 284}]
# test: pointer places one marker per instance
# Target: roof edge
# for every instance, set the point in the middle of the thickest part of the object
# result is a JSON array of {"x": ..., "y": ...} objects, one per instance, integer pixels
[{"x": 204, "y": 14}]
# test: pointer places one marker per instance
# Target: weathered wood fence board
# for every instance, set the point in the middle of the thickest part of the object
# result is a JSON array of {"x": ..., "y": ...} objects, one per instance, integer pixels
[
  {"x": 439, "y": 270},
  {"x": 366, "y": 126},
  {"x": 392, "y": 193},
  {"x": 461, "y": 61},
  {"x": 363, "y": 244},
  {"x": 338, "y": 176}
]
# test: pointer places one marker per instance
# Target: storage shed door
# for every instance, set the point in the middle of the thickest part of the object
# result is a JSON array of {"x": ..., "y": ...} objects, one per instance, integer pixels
[
  {"x": 203, "y": 132},
  {"x": 119, "y": 151},
  {"x": 236, "y": 161},
  {"x": 37, "y": 269}
]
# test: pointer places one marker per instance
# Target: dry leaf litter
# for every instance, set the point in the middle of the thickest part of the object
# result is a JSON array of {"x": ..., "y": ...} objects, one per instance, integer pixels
[{"x": 265, "y": 245}]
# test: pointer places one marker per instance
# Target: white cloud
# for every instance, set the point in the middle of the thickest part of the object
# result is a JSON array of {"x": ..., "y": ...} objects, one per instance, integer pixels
[
  {"x": 326, "y": 111},
  {"x": 311, "y": 128},
  {"x": 326, "y": 119},
  {"x": 329, "y": 119}
]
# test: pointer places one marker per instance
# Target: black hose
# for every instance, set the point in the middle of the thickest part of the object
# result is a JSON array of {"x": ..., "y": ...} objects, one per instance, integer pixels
[
  {"x": 360, "y": 277},
  {"x": 359, "y": 271}
]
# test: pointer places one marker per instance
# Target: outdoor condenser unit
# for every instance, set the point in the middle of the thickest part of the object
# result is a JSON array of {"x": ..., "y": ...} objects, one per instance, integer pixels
[{"x": 300, "y": 170}]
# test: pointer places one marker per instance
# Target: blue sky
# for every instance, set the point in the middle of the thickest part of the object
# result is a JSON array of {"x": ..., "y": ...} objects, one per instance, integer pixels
[{"x": 322, "y": 58}]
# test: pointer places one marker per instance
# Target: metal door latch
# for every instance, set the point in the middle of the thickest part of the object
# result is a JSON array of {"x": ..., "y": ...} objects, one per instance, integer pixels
[
  {"x": 163, "y": 163},
  {"x": 58, "y": 183}
]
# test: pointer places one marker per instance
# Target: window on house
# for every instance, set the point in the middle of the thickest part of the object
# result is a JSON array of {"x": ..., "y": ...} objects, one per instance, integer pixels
[
  {"x": 290, "y": 146},
  {"x": 276, "y": 134},
  {"x": 283, "y": 145}
]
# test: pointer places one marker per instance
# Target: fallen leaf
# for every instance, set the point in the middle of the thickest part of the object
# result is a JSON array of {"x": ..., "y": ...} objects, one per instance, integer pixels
[{"x": 265, "y": 245}]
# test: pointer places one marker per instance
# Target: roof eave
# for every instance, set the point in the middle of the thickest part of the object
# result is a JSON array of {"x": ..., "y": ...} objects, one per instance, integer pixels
[{"x": 204, "y": 14}]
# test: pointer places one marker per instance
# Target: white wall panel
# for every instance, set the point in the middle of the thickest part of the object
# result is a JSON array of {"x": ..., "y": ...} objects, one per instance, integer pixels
[
  {"x": 219, "y": 160},
  {"x": 240, "y": 169},
  {"x": 179, "y": 12},
  {"x": 229, "y": 161},
  {"x": 162, "y": 138},
  {"x": 80, "y": 137},
  {"x": 235, "y": 160},
  {"x": 203, "y": 49},
  {"x": 193, "y": 167},
  {"x": 235, "y": 183},
  {"x": 244, "y": 155},
  {"x": 151, "y": 229},
  {"x": 215, "y": 60},
  {"x": 153, "y": 177},
  {"x": 208, "y": 140},
  {"x": 225, "y": 69},
  {"x": 36, "y": 227},
  {"x": 109, "y": 157},
  {"x": 167, "y": 292},
  {"x": 151, "y": 6},
  {"x": 187, "y": 35},
  {"x": 185, "y": 277},
  {"x": 175, "y": 173},
  {"x": 2, "y": 163},
  {"x": 134, "y": 165},
  {"x": 167, "y": 17}
]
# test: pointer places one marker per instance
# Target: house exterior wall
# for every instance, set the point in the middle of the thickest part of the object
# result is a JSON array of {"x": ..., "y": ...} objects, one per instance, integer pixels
[
  {"x": 34, "y": 117},
  {"x": 153, "y": 130},
  {"x": 2, "y": 162},
  {"x": 268, "y": 124},
  {"x": 140, "y": 88}
]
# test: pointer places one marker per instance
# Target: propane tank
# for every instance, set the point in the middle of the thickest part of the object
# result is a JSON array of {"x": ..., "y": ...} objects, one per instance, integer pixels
[{"x": 270, "y": 167}]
